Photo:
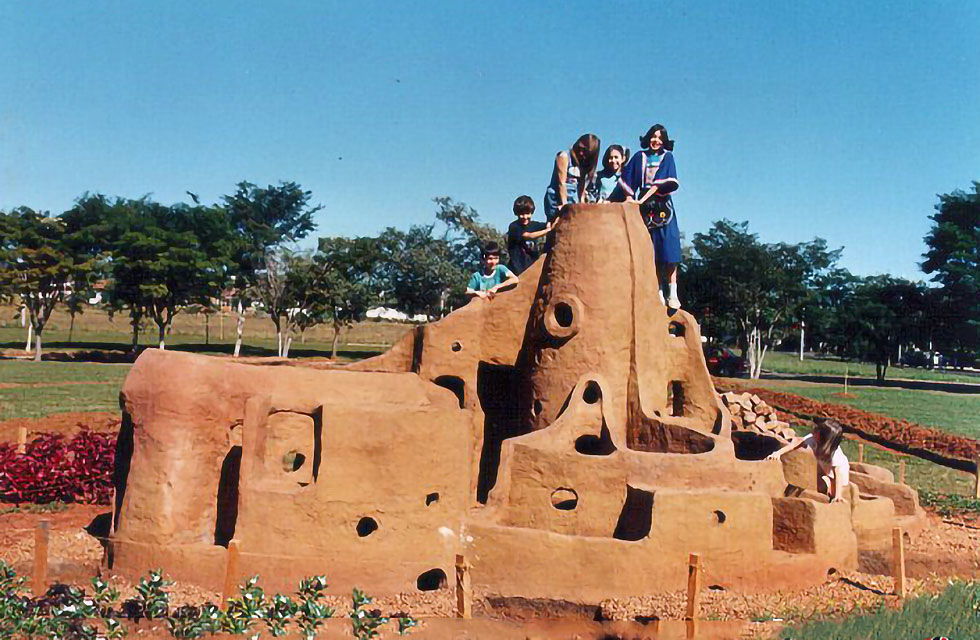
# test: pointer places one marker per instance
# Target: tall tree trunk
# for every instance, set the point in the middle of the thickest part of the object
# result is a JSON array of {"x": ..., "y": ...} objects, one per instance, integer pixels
[
  {"x": 37, "y": 349},
  {"x": 287, "y": 344},
  {"x": 240, "y": 330},
  {"x": 136, "y": 335},
  {"x": 30, "y": 337},
  {"x": 333, "y": 346},
  {"x": 162, "y": 326},
  {"x": 71, "y": 326}
]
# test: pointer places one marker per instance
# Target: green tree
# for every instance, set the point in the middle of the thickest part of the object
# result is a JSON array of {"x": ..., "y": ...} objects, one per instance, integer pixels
[
  {"x": 348, "y": 281},
  {"x": 36, "y": 265},
  {"x": 757, "y": 289},
  {"x": 466, "y": 233},
  {"x": 883, "y": 313},
  {"x": 421, "y": 272},
  {"x": 953, "y": 260},
  {"x": 265, "y": 220}
]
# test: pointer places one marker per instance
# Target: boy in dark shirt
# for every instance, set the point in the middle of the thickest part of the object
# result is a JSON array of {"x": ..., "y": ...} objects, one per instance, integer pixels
[{"x": 522, "y": 235}]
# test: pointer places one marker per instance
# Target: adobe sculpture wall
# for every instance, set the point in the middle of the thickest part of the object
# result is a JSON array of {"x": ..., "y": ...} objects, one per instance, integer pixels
[{"x": 565, "y": 437}]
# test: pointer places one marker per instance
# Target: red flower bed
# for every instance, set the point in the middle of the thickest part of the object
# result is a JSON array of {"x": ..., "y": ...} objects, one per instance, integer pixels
[
  {"x": 894, "y": 430},
  {"x": 53, "y": 468}
]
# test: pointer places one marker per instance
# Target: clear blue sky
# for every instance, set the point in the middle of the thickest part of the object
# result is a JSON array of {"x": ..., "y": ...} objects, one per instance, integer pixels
[{"x": 834, "y": 119}]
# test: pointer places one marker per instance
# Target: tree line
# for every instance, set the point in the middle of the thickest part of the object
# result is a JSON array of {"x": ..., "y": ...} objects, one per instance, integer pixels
[
  {"x": 155, "y": 260},
  {"x": 151, "y": 261}
]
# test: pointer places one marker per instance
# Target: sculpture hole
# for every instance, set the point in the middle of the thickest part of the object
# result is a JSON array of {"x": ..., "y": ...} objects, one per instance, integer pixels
[
  {"x": 719, "y": 517},
  {"x": 293, "y": 461},
  {"x": 226, "y": 515},
  {"x": 592, "y": 392},
  {"x": 564, "y": 499},
  {"x": 454, "y": 384},
  {"x": 676, "y": 329},
  {"x": 366, "y": 526},
  {"x": 675, "y": 398},
  {"x": 563, "y": 314},
  {"x": 457, "y": 346},
  {"x": 716, "y": 587},
  {"x": 591, "y": 445},
  {"x": 432, "y": 580},
  {"x": 536, "y": 408},
  {"x": 636, "y": 517},
  {"x": 431, "y": 498}
]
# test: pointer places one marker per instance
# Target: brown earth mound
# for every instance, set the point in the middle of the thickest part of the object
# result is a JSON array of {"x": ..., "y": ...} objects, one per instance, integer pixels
[{"x": 909, "y": 435}]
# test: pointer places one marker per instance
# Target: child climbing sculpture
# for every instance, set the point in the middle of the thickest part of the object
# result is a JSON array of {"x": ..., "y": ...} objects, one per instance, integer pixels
[
  {"x": 833, "y": 469},
  {"x": 492, "y": 277}
]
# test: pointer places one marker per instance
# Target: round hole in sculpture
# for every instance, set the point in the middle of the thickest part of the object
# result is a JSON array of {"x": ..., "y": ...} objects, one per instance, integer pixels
[
  {"x": 432, "y": 580},
  {"x": 592, "y": 392},
  {"x": 563, "y": 314},
  {"x": 431, "y": 498},
  {"x": 536, "y": 408},
  {"x": 564, "y": 499},
  {"x": 457, "y": 346},
  {"x": 676, "y": 329},
  {"x": 719, "y": 517},
  {"x": 292, "y": 461},
  {"x": 366, "y": 526}
]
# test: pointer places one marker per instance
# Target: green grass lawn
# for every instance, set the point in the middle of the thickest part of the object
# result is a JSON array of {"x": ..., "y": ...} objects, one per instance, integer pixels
[
  {"x": 783, "y": 362},
  {"x": 955, "y": 613},
  {"x": 953, "y": 412},
  {"x": 58, "y": 393}
]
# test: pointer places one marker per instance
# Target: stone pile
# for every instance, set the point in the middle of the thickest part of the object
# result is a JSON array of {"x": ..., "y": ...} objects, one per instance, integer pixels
[{"x": 751, "y": 413}]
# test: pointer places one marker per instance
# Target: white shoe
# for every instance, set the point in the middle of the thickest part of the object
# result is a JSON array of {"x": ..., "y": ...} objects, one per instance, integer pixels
[{"x": 674, "y": 302}]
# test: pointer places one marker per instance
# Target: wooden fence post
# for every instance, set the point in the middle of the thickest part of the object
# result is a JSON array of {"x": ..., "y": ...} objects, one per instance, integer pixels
[
  {"x": 976, "y": 482},
  {"x": 41, "y": 536},
  {"x": 464, "y": 589},
  {"x": 901, "y": 471},
  {"x": 898, "y": 562},
  {"x": 693, "y": 586},
  {"x": 231, "y": 572},
  {"x": 21, "y": 440},
  {"x": 860, "y": 452}
]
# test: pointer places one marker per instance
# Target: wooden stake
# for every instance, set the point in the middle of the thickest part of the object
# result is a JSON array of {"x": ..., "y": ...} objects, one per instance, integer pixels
[
  {"x": 693, "y": 587},
  {"x": 464, "y": 590},
  {"x": 901, "y": 471},
  {"x": 21, "y": 440},
  {"x": 860, "y": 452},
  {"x": 898, "y": 562},
  {"x": 976, "y": 483},
  {"x": 41, "y": 536},
  {"x": 231, "y": 572}
]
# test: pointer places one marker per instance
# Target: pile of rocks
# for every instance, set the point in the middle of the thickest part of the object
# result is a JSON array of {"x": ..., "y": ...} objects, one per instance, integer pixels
[{"x": 751, "y": 413}]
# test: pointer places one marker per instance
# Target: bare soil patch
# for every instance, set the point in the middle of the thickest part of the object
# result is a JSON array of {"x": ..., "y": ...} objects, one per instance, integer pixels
[{"x": 64, "y": 424}]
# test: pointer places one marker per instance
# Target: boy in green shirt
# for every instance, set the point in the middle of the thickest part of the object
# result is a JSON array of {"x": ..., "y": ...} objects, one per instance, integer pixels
[{"x": 493, "y": 276}]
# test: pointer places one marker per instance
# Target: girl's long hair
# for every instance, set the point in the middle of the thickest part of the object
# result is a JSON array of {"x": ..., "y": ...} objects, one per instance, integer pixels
[
  {"x": 829, "y": 433},
  {"x": 588, "y": 146}
]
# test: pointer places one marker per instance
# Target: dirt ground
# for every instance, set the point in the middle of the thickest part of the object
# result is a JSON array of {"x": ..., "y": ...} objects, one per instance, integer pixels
[{"x": 65, "y": 424}]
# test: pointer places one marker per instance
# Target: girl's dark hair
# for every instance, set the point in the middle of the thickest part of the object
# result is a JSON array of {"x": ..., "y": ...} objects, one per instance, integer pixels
[
  {"x": 614, "y": 147},
  {"x": 645, "y": 138},
  {"x": 830, "y": 433},
  {"x": 491, "y": 249},
  {"x": 588, "y": 147},
  {"x": 523, "y": 204}
]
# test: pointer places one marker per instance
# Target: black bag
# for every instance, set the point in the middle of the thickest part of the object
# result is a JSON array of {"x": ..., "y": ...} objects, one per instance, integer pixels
[{"x": 657, "y": 211}]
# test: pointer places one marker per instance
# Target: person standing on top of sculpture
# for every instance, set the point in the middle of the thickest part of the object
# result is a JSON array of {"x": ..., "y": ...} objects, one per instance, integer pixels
[
  {"x": 574, "y": 170},
  {"x": 607, "y": 178},
  {"x": 648, "y": 179},
  {"x": 523, "y": 234},
  {"x": 492, "y": 276}
]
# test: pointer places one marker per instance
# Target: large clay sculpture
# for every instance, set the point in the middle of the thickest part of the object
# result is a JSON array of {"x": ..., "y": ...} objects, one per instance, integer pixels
[{"x": 564, "y": 437}]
